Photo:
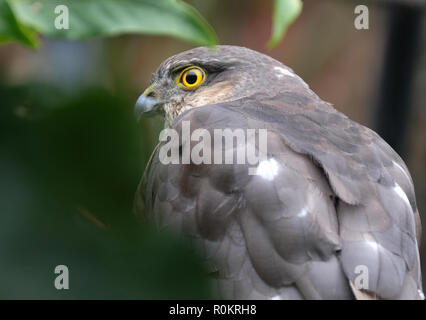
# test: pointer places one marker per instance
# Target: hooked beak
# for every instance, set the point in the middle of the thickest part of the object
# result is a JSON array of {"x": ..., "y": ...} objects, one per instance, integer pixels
[{"x": 146, "y": 105}]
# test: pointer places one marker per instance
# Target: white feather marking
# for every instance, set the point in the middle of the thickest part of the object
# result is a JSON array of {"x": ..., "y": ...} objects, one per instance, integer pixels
[
  {"x": 303, "y": 212},
  {"x": 267, "y": 169},
  {"x": 374, "y": 245},
  {"x": 397, "y": 188},
  {"x": 402, "y": 169},
  {"x": 283, "y": 72}
]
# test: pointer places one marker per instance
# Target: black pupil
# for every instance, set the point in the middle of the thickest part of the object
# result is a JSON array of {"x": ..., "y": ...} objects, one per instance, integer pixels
[{"x": 191, "y": 77}]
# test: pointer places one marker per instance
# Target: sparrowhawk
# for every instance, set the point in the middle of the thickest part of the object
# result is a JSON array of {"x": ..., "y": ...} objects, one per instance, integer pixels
[{"x": 329, "y": 213}]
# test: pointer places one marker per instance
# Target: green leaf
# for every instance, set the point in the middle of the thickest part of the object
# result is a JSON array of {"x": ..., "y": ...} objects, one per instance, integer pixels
[
  {"x": 12, "y": 30},
  {"x": 99, "y": 18},
  {"x": 72, "y": 203},
  {"x": 285, "y": 12}
]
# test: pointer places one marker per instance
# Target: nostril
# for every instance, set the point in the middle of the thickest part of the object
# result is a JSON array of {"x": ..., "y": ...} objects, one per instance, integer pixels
[{"x": 152, "y": 94}]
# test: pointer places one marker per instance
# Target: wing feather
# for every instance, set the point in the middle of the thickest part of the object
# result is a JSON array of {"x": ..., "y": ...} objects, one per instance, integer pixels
[{"x": 341, "y": 198}]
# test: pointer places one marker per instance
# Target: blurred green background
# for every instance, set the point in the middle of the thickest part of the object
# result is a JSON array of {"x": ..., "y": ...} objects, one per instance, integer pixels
[{"x": 71, "y": 153}]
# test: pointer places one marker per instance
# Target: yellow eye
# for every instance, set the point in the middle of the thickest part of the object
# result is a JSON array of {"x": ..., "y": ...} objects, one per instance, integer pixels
[{"x": 191, "y": 78}]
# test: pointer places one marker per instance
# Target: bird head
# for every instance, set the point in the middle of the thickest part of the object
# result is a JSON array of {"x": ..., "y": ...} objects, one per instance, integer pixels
[{"x": 204, "y": 76}]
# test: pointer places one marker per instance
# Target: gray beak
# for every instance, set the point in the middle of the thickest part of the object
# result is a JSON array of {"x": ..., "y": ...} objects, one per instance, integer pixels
[{"x": 146, "y": 106}]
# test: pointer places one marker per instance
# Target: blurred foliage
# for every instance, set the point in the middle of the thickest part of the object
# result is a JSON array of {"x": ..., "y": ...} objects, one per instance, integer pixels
[
  {"x": 12, "y": 30},
  {"x": 69, "y": 167},
  {"x": 21, "y": 19},
  {"x": 108, "y": 18},
  {"x": 285, "y": 12}
]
